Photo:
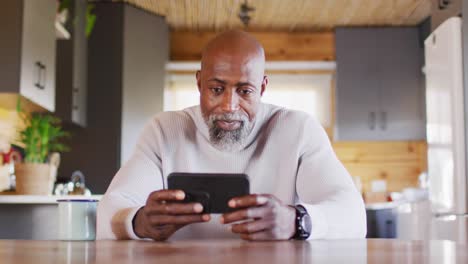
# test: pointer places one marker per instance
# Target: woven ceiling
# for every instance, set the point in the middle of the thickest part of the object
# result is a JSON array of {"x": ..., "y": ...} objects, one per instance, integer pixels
[{"x": 286, "y": 15}]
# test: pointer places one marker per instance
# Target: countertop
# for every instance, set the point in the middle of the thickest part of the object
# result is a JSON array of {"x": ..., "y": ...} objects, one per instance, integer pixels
[
  {"x": 41, "y": 199},
  {"x": 233, "y": 251},
  {"x": 52, "y": 199},
  {"x": 384, "y": 205}
]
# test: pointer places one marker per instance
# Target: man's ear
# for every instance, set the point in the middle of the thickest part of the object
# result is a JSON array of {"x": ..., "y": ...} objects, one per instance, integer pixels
[
  {"x": 264, "y": 84},
  {"x": 198, "y": 76}
]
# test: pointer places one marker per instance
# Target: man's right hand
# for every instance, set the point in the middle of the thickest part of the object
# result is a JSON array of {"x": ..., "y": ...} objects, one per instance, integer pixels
[{"x": 164, "y": 214}]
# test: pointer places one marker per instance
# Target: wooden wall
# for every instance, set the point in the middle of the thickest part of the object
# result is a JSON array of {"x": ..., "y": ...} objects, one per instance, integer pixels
[
  {"x": 397, "y": 162},
  {"x": 10, "y": 121},
  {"x": 279, "y": 46}
]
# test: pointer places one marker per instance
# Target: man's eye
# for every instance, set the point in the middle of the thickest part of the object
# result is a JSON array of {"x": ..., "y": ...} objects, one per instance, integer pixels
[
  {"x": 217, "y": 90},
  {"x": 245, "y": 91}
]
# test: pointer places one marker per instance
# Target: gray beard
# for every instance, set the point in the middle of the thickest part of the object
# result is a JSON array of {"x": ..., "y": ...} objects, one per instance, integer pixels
[{"x": 228, "y": 140}]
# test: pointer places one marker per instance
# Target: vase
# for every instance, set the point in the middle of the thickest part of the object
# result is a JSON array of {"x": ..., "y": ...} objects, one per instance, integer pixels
[{"x": 36, "y": 178}]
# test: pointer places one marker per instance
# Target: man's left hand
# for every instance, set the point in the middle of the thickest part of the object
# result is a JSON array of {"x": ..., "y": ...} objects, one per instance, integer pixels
[{"x": 264, "y": 217}]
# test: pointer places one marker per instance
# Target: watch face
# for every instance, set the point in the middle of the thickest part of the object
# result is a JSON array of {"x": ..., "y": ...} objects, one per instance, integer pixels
[{"x": 306, "y": 223}]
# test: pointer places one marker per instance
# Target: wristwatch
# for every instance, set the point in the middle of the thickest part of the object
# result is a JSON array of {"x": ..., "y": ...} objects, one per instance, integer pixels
[{"x": 303, "y": 223}]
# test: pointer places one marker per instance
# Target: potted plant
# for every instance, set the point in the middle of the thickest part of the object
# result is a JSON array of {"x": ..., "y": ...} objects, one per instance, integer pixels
[
  {"x": 64, "y": 10},
  {"x": 40, "y": 138}
]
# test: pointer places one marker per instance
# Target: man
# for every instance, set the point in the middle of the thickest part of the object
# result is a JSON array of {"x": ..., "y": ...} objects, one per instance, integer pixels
[{"x": 293, "y": 171}]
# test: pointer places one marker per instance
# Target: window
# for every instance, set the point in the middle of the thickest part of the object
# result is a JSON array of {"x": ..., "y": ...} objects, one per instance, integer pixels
[
  {"x": 310, "y": 93},
  {"x": 304, "y": 90}
]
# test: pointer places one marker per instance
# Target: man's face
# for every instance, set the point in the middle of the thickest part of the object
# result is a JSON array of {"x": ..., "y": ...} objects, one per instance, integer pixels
[{"x": 230, "y": 90}]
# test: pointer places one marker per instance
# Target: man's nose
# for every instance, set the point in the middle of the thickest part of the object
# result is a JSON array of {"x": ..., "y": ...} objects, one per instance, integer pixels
[{"x": 230, "y": 102}]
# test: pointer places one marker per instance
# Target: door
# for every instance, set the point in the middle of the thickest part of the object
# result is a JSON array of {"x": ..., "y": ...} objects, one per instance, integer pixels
[
  {"x": 401, "y": 114},
  {"x": 357, "y": 87},
  {"x": 445, "y": 119},
  {"x": 38, "y": 53},
  {"x": 450, "y": 227}
]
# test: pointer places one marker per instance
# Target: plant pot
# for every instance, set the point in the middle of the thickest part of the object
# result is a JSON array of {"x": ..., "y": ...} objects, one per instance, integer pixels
[{"x": 35, "y": 178}]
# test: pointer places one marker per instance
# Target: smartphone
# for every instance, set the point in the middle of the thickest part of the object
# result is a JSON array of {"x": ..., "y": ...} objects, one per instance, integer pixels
[{"x": 212, "y": 190}]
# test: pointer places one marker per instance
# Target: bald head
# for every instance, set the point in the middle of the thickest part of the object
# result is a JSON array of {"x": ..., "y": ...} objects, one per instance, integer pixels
[
  {"x": 231, "y": 82},
  {"x": 236, "y": 44}
]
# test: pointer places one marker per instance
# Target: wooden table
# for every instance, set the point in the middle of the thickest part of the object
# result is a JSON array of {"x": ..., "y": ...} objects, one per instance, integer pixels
[{"x": 233, "y": 251}]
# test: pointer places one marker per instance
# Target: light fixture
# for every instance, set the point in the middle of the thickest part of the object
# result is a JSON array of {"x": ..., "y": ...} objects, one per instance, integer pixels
[
  {"x": 244, "y": 11},
  {"x": 443, "y": 4}
]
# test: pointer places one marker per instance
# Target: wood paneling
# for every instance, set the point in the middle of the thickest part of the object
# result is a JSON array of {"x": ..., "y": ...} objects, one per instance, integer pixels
[
  {"x": 281, "y": 15},
  {"x": 279, "y": 46},
  {"x": 331, "y": 128},
  {"x": 398, "y": 162},
  {"x": 9, "y": 101}
]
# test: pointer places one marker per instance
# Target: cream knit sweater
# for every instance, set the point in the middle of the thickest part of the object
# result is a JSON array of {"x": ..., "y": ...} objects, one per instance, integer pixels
[{"x": 287, "y": 154}]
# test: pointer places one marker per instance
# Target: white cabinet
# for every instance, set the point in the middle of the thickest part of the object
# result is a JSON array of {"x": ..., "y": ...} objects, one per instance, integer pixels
[{"x": 29, "y": 50}]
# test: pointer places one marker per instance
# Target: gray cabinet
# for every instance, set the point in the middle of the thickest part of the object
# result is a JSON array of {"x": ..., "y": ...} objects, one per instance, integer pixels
[
  {"x": 71, "y": 99},
  {"x": 401, "y": 84},
  {"x": 127, "y": 52},
  {"x": 27, "y": 50},
  {"x": 357, "y": 94},
  {"x": 380, "y": 88}
]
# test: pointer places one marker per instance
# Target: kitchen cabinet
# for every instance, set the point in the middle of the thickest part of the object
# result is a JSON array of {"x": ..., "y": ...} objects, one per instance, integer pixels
[
  {"x": 32, "y": 216},
  {"x": 381, "y": 223},
  {"x": 380, "y": 88},
  {"x": 71, "y": 79},
  {"x": 127, "y": 56},
  {"x": 27, "y": 50}
]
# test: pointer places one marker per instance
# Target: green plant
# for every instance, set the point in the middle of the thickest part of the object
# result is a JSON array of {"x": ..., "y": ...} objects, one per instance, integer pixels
[
  {"x": 90, "y": 16},
  {"x": 41, "y": 136}
]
